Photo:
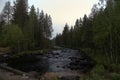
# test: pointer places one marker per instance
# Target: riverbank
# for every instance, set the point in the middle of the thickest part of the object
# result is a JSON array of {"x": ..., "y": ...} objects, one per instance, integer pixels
[{"x": 8, "y": 73}]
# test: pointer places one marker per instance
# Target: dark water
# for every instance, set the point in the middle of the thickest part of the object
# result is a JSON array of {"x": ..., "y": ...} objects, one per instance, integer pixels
[{"x": 66, "y": 60}]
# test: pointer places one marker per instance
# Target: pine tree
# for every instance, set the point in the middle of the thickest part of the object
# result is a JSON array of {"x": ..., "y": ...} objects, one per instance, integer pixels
[
  {"x": 65, "y": 35},
  {"x": 48, "y": 27},
  {"x": 20, "y": 13}
]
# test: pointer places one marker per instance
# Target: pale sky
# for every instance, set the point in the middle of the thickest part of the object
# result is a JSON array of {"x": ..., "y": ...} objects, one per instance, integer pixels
[{"x": 62, "y": 11}]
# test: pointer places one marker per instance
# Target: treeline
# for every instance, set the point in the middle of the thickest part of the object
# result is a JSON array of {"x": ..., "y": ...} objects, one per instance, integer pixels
[
  {"x": 24, "y": 28},
  {"x": 98, "y": 35}
]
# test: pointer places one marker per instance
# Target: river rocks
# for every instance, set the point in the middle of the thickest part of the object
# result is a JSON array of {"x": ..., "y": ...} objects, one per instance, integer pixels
[
  {"x": 81, "y": 64},
  {"x": 68, "y": 59},
  {"x": 55, "y": 61}
]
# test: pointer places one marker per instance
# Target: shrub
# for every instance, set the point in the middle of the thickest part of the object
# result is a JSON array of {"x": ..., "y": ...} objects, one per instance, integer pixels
[{"x": 115, "y": 76}]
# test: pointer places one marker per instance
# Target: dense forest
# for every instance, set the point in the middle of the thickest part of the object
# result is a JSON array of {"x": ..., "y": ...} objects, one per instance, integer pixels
[
  {"x": 98, "y": 35},
  {"x": 24, "y": 28}
]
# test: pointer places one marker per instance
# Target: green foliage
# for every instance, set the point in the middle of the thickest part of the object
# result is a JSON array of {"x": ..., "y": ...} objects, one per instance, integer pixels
[
  {"x": 20, "y": 13},
  {"x": 96, "y": 77},
  {"x": 115, "y": 76},
  {"x": 13, "y": 36},
  {"x": 99, "y": 37},
  {"x": 65, "y": 35},
  {"x": 99, "y": 69},
  {"x": 22, "y": 31},
  {"x": 98, "y": 34}
]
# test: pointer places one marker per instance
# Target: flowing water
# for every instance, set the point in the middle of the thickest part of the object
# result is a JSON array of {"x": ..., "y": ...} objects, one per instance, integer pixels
[{"x": 62, "y": 62}]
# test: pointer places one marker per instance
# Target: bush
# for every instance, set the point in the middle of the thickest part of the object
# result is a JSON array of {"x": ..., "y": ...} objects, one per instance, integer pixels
[
  {"x": 115, "y": 76},
  {"x": 99, "y": 69}
]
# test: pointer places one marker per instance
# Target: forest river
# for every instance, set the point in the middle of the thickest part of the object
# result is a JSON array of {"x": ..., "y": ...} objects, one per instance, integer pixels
[{"x": 58, "y": 61}]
